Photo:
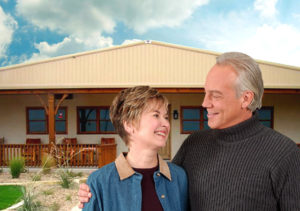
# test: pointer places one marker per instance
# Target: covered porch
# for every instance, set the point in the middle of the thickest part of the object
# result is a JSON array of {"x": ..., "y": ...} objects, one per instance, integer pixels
[{"x": 66, "y": 155}]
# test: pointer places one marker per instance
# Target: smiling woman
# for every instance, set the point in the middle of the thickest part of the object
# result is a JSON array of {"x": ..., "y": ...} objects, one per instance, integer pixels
[
  {"x": 9, "y": 195},
  {"x": 139, "y": 179}
]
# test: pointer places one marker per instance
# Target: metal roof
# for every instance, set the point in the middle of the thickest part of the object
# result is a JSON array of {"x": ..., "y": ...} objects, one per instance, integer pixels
[{"x": 143, "y": 63}]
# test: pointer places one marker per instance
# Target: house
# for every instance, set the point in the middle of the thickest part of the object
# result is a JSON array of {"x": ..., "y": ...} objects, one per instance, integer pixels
[{"x": 69, "y": 96}]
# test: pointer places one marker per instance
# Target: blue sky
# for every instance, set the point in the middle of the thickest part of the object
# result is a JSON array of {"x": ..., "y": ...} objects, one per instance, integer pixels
[{"x": 32, "y": 30}]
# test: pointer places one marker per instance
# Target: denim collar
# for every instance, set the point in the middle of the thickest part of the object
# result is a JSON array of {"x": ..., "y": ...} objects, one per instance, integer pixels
[{"x": 125, "y": 170}]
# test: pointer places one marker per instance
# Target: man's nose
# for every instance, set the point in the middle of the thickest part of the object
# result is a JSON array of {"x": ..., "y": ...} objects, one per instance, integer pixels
[{"x": 206, "y": 102}]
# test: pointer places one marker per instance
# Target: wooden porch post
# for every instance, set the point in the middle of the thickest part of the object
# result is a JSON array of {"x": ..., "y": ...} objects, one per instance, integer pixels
[{"x": 51, "y": 119}]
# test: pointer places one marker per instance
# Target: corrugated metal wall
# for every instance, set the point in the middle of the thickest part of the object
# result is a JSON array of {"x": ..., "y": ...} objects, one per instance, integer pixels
[{"x": 156, "y": 64}]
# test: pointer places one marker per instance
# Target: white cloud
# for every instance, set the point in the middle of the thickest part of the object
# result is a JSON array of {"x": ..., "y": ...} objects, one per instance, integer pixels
[
  {"x": 84, "y": 22},
  {"x": 267, "y": 8},
  {"x": 279, "y": 43},
  {"x": 7, "y": 28},
  {"x": 70, "y": 45},
  {"x": 241, "y": 31},
  {"x": 84, "y": 17},
  {"x": 126, "y": 42}
]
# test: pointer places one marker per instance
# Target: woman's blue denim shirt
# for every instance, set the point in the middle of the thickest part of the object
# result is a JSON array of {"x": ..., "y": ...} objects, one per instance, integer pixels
[{"x": 117, "y": 186}]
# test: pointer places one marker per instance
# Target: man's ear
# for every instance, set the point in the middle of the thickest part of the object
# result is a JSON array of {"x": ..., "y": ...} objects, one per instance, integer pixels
[{"x": 247, "y": 98}]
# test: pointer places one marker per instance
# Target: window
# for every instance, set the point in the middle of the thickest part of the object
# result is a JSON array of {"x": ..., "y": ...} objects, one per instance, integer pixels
[
  {"x": 266, "y": 117},
  {"x": 193, "y": 119},
  {"x": 37, "y": 121},
  {"x": 94, "y": 120},
  {"x": 61, "y": 121}
]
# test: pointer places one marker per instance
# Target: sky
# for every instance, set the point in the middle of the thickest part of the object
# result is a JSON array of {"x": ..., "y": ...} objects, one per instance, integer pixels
[{"x": 32, "y": 30}]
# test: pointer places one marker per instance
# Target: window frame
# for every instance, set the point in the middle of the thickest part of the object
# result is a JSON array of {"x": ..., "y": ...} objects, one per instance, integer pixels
[
  {"x": 66, "y": 120},
  {"x": 201, "y": 120},
  {"x": 46, "y": 120},
  {"x": 271, "y": 108},
  {"x": 98, "y": 109}
]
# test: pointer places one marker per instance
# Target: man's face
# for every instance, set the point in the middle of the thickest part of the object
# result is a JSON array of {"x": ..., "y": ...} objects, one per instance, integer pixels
[{"x": 224, "y": 109}]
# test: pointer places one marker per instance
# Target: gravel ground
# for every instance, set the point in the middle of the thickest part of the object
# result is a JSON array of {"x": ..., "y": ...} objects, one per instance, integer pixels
[{"x": 52, "y": 196}]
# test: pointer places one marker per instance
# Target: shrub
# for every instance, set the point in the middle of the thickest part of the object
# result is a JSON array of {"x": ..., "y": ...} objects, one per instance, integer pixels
[
  {"x": 73, "y": 174},
  {"x": 54, "y": 207},
  {"x": 16, "y": 166},
  {"x": 68, "y": 197},
  {"x": 48, "y": 192},
  {"x": 66, "y": 179},
  {"x": 29, "y": 203},
  {"x": 36, "y": 177},
  {"x": 48, "y": 162}
]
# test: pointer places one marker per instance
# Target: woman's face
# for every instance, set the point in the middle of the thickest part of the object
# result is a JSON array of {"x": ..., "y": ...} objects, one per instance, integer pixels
[{"x": 153, "y": 129}]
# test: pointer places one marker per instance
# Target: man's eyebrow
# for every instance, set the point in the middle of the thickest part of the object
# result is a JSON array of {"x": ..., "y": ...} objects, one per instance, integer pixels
[{"x": 214, "y": 92}]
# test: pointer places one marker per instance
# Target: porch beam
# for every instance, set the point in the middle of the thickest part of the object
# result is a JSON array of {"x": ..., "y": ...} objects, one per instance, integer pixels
[
  {"x": 51, "y": 118},
  {"x": 59, "y": 102}
]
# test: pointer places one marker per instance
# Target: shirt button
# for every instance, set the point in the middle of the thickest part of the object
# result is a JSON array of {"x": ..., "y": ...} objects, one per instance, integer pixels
[
  {"x": 163, "y": 196},
  {"x": 158, "y": 174}
]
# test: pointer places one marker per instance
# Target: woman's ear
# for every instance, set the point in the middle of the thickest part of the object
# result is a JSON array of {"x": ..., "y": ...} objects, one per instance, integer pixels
[
  {"x": 247, "y": 99},
  {"x": 128, "y": 127}
]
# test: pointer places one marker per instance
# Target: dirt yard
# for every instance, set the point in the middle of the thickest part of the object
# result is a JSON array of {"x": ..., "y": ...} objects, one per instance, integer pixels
[{"x": 50, "y": 195}]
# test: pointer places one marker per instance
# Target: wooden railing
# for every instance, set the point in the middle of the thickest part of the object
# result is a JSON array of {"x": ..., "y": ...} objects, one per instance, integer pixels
[{"x": 65, "y": 155}]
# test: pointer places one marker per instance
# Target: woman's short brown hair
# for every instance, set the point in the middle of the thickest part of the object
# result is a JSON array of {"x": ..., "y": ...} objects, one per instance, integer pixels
[{"x": 129, "y": 104}]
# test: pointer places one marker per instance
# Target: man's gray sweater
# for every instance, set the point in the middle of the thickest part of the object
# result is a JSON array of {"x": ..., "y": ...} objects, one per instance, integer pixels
[{"x": 244, "y": 167}]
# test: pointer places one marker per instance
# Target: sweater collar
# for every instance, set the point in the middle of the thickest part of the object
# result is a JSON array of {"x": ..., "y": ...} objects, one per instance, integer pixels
[
  {"x": 125, "y": 170},
  {"x": 239, "y": 132}
]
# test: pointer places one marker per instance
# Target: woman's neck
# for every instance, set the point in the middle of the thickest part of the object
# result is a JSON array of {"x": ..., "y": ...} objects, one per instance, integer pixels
[{"x": 142, "y": 158}]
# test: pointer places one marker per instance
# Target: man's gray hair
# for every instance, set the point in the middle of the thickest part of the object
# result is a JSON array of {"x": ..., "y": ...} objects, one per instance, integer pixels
[{"x": 249, "y": 76}]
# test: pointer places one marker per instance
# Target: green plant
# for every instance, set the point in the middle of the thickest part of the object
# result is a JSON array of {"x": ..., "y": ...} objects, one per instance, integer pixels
[
  {"x": 16, "y": 166},
  {"x": 54, "y": 207},
  {"x": 73, "y": 174},
  {"x": 66, "y": 180},
  {"x": 79, "y": 174},
  {"x": 48, "y": 162},
  {"x": 36, "y": 177},
  {"x": 48, "y": 192},
  {"x": 29, "y": 203},
  {"x": 68, "y": 197}
]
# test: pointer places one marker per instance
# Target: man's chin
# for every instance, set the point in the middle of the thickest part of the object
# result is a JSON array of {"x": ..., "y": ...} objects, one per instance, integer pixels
[{"x": 212, "y": 125}]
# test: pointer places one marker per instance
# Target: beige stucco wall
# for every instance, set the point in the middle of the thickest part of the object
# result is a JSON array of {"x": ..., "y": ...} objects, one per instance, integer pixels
[
  {"x": 13, "y": 113},
  {"x": 13, "y": 116},
  {"x": 286, "y": 114}
]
